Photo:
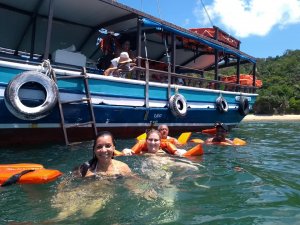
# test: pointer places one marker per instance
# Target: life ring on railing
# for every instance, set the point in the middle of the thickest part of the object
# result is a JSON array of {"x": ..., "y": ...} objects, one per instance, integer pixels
[
  {"x": 244, "y": 106},
  {"x": 16, "y": 106},
  {"x": 222, "y": 104},
  {"x": 178, "y": 105}
]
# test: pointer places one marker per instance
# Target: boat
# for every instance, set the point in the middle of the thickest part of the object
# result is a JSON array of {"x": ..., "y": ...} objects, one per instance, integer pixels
[{"x": 52, "y": 87}]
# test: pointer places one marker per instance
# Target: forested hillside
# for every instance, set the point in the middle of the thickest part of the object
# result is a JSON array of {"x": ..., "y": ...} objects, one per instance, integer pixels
[{"x": 280, "y": 93}]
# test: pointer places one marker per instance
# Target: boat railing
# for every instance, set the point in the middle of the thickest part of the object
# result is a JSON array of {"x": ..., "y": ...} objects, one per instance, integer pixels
[{"x": 192, "y": 79}]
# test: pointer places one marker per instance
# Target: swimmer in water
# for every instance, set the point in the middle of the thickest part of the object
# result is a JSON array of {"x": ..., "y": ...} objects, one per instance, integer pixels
[
  {"x": 153, "y": 144},
  {"x": 88, "y": 198},
  {"x": 159, "y": 167},
  {"x": 220, "y": 137},
  {"x": 103, "y": 162},
  {"x": 164, "y": 131}
]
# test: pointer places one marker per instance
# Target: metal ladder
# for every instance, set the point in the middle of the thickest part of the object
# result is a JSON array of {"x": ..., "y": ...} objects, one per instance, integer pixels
[{"x": 88, "y": 100}]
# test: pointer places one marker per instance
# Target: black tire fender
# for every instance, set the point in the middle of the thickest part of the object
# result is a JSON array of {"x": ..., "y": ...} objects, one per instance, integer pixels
[
  {"x": 178, "y": 105},
  {"x": 244, "y": 106},
  {"x": 21, "y": 111},
  {"x": 222, "y": 104}
]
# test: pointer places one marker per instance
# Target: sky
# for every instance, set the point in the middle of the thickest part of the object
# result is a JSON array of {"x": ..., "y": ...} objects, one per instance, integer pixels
[{"x": 266, "y": 28}]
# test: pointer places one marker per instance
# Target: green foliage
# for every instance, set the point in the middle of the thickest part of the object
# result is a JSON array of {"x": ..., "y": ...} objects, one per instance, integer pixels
[
  {"x": 294, "y": 105},
  {"x": 280, "y": 93}
]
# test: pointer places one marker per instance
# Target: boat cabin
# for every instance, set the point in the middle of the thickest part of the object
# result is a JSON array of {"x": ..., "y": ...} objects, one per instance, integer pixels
[{"x": 74, "y": 35}]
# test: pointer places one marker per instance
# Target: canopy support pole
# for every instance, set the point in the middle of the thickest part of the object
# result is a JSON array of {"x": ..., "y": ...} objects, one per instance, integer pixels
[{"x": 49, "y": 29}]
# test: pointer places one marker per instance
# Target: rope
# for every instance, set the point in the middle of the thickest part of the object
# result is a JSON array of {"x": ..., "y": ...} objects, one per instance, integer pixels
[
  {"x": 158, "y": 9},
  {"x": 207, "y": 14},
  {"x": 169, "y": 66},
  {"x": 167, "y": 50},
  {"x": 15, "y": 178},
  {"x": 46, "y": 68},
  {"x": 176, "y": 89},
  {"x": 142, "y": 5},
  {"x": 145, "y": 41}
]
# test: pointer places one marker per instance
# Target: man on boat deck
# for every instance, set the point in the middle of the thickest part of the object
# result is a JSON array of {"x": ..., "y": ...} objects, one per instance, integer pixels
[
  {"x": 119, "y": 66},
  {"x": 220, "y": 136}
]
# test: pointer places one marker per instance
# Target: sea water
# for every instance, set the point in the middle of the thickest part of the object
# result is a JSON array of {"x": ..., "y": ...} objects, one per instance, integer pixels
[{"x": 254, "y": 184}]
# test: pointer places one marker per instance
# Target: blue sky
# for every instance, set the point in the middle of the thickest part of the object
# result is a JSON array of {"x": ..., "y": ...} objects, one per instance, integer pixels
[{"x": 266, "y": 28}]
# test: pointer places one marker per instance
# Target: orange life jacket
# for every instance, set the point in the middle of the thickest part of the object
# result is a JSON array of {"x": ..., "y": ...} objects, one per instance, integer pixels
[{"x": 141, "y": 146}]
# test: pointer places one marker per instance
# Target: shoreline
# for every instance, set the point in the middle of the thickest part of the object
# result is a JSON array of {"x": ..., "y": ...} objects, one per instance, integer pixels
[{"x": 253, "y": 118}]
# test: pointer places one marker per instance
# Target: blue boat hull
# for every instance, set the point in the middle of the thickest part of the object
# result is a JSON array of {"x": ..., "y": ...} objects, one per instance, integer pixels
[
  {"x": 176, "y": 75},
  {"x": 119, "y": 106}
]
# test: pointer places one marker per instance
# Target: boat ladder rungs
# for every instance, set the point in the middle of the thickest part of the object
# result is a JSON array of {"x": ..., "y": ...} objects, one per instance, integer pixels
[{"x": 87, "y": 99}]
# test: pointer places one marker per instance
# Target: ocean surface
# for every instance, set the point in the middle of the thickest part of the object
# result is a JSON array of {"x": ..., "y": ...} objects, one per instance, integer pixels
[{"x": 254, "y": 184}]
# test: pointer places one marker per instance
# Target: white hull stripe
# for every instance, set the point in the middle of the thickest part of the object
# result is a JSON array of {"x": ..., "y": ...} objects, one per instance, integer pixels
[{"x": 115, "y": 101}]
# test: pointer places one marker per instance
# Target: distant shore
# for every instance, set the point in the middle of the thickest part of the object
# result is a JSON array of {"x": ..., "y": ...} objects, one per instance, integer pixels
[{"x": 251, "y": 118}]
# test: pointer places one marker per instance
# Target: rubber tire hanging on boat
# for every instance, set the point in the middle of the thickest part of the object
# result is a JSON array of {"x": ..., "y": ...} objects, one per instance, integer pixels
[
  {"x": 222, "y": 104},
  {"x": 21, "y": 111},
  {"x": 244, "y": 106},
  {"x": 178, "y": 105}
]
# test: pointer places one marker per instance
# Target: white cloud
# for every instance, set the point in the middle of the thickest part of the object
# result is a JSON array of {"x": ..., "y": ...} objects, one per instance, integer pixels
[
  {"x": 244, "y": 18},
  {"x": 186, "y": 22}
]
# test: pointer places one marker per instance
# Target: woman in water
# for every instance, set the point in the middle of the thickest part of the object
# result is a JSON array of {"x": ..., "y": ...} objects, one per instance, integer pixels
[
  {"x": 103, "y": 162},
  {"x": 153, "y": 144},
  {"x": 160, "y": 168},
  {"x": 85, "y": 199}
]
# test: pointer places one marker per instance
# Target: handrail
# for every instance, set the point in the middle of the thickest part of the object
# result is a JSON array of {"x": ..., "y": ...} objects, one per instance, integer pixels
[
  {"x": 147, "y": 85},
  {"x": 210, "y": 82}
]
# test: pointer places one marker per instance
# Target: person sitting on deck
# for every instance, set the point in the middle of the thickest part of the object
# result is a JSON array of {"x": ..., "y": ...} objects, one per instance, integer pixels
[
  {"x": 220, "y": 136},
  {"x": 120, "y": 66}
]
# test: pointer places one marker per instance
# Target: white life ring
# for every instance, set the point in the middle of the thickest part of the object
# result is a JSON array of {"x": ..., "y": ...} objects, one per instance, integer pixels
[
  {"x": 13, "y": 101},
  {"x": 178, "y": 105},
  {"x": 222, "y": 104},
  {"x": 244, "y": 106}
]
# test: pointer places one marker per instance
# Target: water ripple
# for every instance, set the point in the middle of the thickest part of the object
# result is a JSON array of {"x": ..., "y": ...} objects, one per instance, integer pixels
[{"x": 255, "y": 184}]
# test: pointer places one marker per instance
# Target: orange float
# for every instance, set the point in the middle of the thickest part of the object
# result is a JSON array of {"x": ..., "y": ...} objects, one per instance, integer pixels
[
  {"x": 195, "y": 151},
  {"x": 27, "y": 173},
  {"x": 211, "y": 131},
  {"x": 222, "y": 36},
  {"x": 20, "y": 166},
  {"x": 236, "y": 142},
  {"x": 245, "y": 79}
]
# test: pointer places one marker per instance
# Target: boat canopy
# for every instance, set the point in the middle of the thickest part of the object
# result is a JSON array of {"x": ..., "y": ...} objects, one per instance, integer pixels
[
  {"x": 190, "y": 35},
  {"x": 43, "y": 27}
]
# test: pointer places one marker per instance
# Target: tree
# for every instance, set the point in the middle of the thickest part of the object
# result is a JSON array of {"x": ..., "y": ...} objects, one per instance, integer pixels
[{"x": 280, "y": 93}]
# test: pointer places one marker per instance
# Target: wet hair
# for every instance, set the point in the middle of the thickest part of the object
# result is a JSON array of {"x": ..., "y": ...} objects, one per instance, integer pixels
[
  {"x": 151, "y": 127},
  {"x": 103, "y": 133},
  {"x": 153, "y": 131},
  {"x": 222, "y": 125},
  {"x": 91, "y": 164}
]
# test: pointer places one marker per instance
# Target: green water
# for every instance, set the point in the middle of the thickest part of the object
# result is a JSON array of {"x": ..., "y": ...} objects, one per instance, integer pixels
[{"x": 255, "y": 184}]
